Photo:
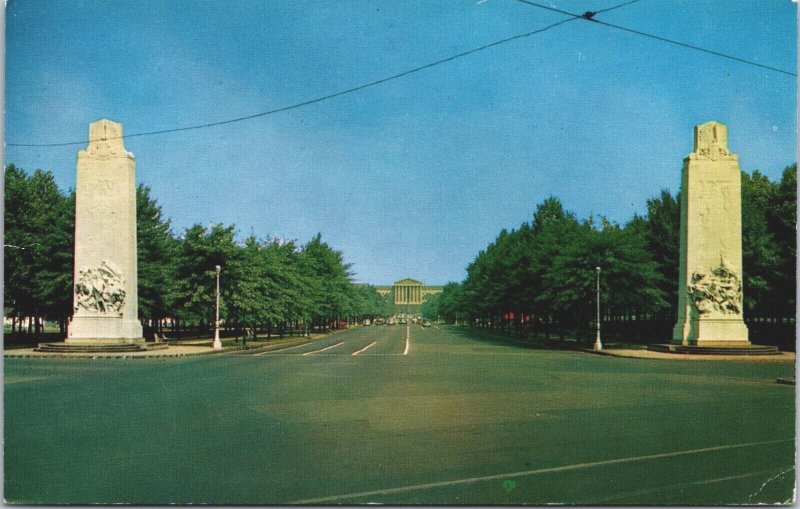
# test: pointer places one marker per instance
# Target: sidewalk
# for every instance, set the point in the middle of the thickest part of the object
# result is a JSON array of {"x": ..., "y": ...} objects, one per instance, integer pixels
[
  {"x": 177, "y": 348},
  {"x": 171, "y": 351},
  {"x": 647, "y": 354}
]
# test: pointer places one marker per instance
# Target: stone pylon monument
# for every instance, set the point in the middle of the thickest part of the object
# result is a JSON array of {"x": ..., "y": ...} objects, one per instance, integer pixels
[
  {"x": 710, "y": 293},
  {"x": 105, "y": 300}
]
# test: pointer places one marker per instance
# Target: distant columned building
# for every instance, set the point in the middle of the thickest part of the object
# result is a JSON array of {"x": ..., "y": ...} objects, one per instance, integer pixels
[{"x": 408, "y": 293}]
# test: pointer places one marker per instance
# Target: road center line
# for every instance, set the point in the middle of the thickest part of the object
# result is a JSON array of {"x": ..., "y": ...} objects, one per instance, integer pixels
[
  {"x": 326, "y": 348},
  {"x": 524, "y": 473},
  {"x": 359, "y": 351},
  {"x": 405, "y": 352}
]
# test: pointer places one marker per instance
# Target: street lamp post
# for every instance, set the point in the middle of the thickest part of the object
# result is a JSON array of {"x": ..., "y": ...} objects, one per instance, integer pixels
[
  {"x": 217, "y": 343},
  {"x": 597, "y": 344}
]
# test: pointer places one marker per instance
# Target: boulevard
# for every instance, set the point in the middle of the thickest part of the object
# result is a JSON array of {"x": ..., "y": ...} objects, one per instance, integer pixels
[
  {"x": 398, "y": 415},
  {"x": 595, "y": 202}
]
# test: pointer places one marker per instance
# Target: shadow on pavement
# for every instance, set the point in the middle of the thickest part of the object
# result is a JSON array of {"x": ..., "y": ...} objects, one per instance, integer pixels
[{"x": 499, "y": 339}]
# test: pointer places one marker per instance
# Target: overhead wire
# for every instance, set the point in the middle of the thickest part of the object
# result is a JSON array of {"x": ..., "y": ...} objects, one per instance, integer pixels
[
  {"x": 590, "y": 16},
  {"x": 310, "y": 101}
]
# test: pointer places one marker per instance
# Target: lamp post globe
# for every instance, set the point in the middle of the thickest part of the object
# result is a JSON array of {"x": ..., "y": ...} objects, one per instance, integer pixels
[
  {"x": 217, "y": 343},
  {"x": 598, "y": 345}
]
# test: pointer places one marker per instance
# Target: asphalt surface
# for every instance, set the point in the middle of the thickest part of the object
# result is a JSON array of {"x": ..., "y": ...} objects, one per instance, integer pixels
[{"x": 367, "y": 415}]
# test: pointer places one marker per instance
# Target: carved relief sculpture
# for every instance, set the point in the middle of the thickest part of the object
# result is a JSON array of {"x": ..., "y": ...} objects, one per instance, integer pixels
[
  {"x": 719, "y": 290},
  {"x": 100, "y": 290}
]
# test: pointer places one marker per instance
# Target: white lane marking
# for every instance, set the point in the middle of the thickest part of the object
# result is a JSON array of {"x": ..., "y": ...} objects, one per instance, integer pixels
[
  {"x": 564, "y": 468},
  {"x": 435, "y": 327},
  {"x": 281, "y": 349},
  {"x": 359, "y": 351},
  {"x": 378, "y": 354},
  {"x": 337, "y": 354},
  {"x": 326, "y": 348},
  {"x": 334, "y": 354},
  {"x": 673, "y": 487},
  {"x": 405, "y": 351}
]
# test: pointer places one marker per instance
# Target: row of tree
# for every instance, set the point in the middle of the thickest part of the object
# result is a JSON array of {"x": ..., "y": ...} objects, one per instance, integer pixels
[
  {"x": 270, "y": 283},
  {"x": 543, "y": 274}
]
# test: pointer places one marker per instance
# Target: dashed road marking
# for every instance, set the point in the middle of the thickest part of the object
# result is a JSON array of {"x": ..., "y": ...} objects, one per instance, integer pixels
[
  {"x": 281, "y": 349},
  {"x": 405, "y": 351},
  {"x": 359, "y": 351},
  {"x": 326, "y": 348}
]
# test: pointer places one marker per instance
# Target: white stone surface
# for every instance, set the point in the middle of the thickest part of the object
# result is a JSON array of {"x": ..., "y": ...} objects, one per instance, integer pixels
[
  {"x": 105, "y": 281},
  {"x": 710, "y": 290}
]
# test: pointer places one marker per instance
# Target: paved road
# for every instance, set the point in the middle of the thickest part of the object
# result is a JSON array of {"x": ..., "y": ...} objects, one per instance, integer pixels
[
  {"x": 456, "y": 419},
  {"x": 378, "y": 340}
]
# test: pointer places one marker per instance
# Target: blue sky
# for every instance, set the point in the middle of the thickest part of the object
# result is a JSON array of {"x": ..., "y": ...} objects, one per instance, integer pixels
[{"x": 410, "y": 178}]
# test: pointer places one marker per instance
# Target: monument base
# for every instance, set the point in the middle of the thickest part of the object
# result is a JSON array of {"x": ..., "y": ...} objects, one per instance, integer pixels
[
  {"x": 109, "y": 328},
  {"x": 95, "y": 346},
  {"x": 726, "y": 348},
  {"x": 711, "y": 332},
  {"x": 104, "y": 341}
]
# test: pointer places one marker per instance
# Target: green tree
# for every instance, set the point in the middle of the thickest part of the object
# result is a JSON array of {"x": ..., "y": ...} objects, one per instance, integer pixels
[
  {"x": 371, "y": 302},
  {"x": 430, "y": 307},
  {"x": 38, "y": 247},
  {"x": 451, "y": 305},
  {"x": 274, "y": 281},
  {"x": 200, "y": 251},
  {"x": 629, "y": 278},
  {"x": 782, "y": 225},
  {"x": 332, "y": 291},
  {"x": 157, "y": 250},
  {"x": 54, "y": 254},
  {"x": 662, "y": 234},
  {"x": 760, "y": 252},
  {"x": 547, "y": 269},
  {"x": 18, "y": 240},
  {"x": 552, "y": 228}
]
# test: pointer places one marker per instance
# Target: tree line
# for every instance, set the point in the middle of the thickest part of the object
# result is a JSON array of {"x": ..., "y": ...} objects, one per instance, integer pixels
[
  {"x": 541, "y": 276},
  {"x": 266, "y": 284}
]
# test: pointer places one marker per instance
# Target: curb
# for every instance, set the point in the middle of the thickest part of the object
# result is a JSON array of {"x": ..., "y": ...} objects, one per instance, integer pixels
[
  {"x": 6, "y": 355},
  {"x": 687, "y": 357}
]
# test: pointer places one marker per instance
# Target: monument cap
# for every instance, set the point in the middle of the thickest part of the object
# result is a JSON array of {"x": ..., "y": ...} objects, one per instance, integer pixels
[
  {"x": 711, "y": 142},
  {"x": 106, "y": 140}
]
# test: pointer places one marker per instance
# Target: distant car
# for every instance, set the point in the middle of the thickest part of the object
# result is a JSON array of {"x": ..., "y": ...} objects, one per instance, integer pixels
[
  {"x": 390, "y": 322},
  {"x": 426, "y": 323},
  {"x": 379, "y": 321},
  {"x": 403, "y": 321},
  {"x": 367, "y": 323}
]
